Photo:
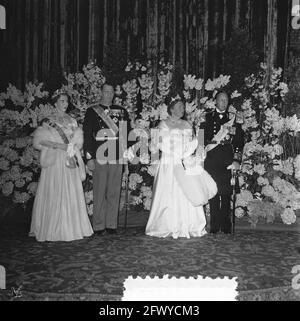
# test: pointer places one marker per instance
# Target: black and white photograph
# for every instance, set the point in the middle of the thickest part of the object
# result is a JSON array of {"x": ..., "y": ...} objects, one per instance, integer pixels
[{"x": 149, "y": 151}]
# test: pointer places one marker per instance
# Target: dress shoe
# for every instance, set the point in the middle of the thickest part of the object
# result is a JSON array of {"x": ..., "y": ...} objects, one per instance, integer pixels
[{"x": 111, "y": 230}]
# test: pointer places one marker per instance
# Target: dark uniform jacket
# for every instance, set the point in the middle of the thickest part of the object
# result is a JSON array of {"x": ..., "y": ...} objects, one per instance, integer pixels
[
  {"x": 94, "y": 124},
  {"x": 230, "y": 149}
]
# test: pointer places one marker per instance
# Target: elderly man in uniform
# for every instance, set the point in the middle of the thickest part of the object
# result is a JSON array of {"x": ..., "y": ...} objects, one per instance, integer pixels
[{"x": 224, "y": 141}]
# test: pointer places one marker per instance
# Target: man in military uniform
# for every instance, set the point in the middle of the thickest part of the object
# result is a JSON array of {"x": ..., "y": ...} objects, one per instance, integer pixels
[
  {"x": 106, "y": 127},
  {"x": 224, "y": 141}
]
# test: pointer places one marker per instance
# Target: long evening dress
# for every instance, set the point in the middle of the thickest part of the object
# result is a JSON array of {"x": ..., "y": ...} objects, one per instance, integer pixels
[
  {"x": 59, "y": 210},
  {"x": 179, "y": 193}
]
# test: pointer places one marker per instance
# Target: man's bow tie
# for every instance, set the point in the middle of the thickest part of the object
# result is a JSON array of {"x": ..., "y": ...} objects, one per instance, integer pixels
[{"x": 220, "y": 114}]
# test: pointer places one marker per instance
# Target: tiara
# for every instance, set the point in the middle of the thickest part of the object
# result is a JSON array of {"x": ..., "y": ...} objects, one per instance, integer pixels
[{"x": 59, "y": 92}]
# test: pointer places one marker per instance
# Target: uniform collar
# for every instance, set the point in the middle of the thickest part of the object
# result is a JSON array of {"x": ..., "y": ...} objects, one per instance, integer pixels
[{"x": 220, "y": 112}]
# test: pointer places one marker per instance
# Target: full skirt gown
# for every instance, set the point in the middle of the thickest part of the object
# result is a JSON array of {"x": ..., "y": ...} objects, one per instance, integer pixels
[
  {"x": 59, "y": 211},
  {"x": 178, "y": 194}
]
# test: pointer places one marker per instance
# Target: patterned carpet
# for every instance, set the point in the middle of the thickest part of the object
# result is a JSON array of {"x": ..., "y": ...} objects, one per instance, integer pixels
[{"x": 96, "y": 268}]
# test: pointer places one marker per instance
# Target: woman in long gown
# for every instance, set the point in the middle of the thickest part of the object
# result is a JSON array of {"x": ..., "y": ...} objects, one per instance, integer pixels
[
  {"x": 181, "y": 185},
  {"x": 59, "y": 210}
]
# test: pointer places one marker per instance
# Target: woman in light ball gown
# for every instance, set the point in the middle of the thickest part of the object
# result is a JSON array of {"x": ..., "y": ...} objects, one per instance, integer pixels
[
  {"x": 59, "y": 210},
  {"x": 181, "y": 185}
]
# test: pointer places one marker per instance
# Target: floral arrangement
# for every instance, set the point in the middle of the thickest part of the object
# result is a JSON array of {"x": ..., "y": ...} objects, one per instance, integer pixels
[
  {"x": 270, "y": 168},
  {"x": 270, "y": 172},
  {"x": 19, "y": 161}
]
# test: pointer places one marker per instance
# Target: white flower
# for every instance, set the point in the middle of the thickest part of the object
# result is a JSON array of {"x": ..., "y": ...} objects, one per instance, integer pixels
[
  {"x": 278, "y": 126},
  {"x": 249, "y": 123},
  {"x": 186, "y": 95},
  {"x": 288, "y": 168},
  {"x": 128, "y": 68},
  {"x": 145, "y": 159},
  {"x": 268, "y": 191},
  {"x": 32, "y": 187},
  {"x": 134, "y": 179},
  {"x": 190, "y": 107},
  {"x": 118, "y": 101},
  {"x": 27, "y": 176},
  {"x": 250, "y": 81},
  {"x": 239, "y": 212},
  {"x": 262, "y": 181},
  {"x": 260, "y": 169},
  {"x": 244, "y": 198},
  {"x": 22, "y": 142},
  {"x": 263, "y": 66},
  {"x": 210, "y": 85},
  {"x": 4, "y": 164},
  {"x": 222, "y": 81},
  {"x": 251, "y": 148},
  {"x": 292, "y": 124},
  {"x": 146, "y": 191},
  {"x": 189, "y": 81},
  {"x": 203, "y": 100},
  {"x": 288, "y": 216},
  {"x": 247, "y": 169},
  {"x": 284, "y": 89},
  {"x": 241, "y": 180},
  {"x": 235, "y": 94},
  {"x": 21, "y": 197},
  {"x": 135, "y": 200},
  {"x": 7, "y": 188},
  {"x": 12, "y": 155},
  {"x": 145, "y": 114},
  {"x": 199, "y": 84},
  {"x": 19, "y": 183},
  {"x": 210, "y": 104},
  {"x": 278, "y": 149},
  {"x": 255, "y": 135},
  {"x": 232, "y": 110},
  {"x": 118, "y": 90},
  {"x": 247, "y": 104},
  {"x": 15, "y": 173}
]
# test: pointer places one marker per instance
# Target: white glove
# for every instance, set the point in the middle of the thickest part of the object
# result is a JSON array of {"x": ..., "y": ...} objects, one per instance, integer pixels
[{"x": 70, "y": 150}]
